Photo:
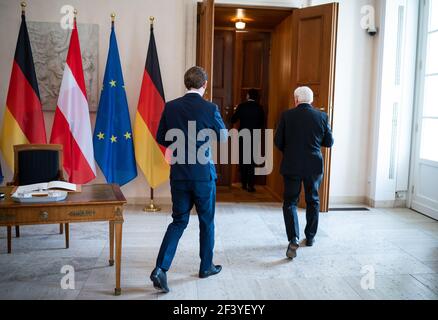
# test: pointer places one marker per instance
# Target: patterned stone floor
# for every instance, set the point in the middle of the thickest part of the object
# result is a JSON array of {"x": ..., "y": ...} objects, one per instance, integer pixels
[{"x": 401, "y": 246}]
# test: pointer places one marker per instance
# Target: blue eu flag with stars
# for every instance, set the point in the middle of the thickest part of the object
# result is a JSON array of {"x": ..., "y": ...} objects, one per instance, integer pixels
[{"x": 112, "y": 139}]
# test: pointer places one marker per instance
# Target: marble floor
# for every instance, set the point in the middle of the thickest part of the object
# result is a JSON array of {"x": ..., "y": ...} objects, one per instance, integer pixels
[{"x": 398, "y": 245}]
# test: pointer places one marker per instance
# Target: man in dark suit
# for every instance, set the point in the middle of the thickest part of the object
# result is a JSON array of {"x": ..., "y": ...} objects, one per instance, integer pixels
[
  {"x": 251, "y": 117},
  {"x": 301, "y": 134},
  {"x": 192, "y": 181}
]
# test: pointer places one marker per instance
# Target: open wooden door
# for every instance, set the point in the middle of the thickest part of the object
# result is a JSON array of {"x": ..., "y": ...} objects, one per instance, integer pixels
[
  {"x": 206, "y": 42},
  {"x": 223, "y": 91},
  {"x": 313, "y": 65}
]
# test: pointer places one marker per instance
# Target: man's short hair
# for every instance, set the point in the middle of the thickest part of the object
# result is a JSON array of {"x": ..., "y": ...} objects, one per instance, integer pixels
[
  {"x": 304, "y": 95},
  {"x": 195, "y": 78},
  {"x": 253, "y": 94}
]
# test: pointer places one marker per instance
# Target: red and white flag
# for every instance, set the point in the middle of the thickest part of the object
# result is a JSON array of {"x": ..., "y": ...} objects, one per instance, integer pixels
[{"x": 72, "y": 127}]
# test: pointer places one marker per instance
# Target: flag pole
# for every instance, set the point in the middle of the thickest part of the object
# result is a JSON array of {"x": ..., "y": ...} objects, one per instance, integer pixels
[
  {"x": 23, "y": 7},
  {"x": 152, "y": 207}
]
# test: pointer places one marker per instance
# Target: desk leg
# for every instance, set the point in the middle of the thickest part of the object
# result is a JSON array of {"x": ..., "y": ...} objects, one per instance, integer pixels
[
  {"x": 61, "y": 228},
  {"x": 67, "y": 235},
  {"x": 111, "y": 244},
  {"x": 9, "y": 239},
  {"x": 17, "y": 231},
  {"x": 118, "y": 226}
]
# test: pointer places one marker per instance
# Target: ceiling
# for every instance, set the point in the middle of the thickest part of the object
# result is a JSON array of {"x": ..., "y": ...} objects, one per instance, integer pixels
[{"x": 255, "y": 18}]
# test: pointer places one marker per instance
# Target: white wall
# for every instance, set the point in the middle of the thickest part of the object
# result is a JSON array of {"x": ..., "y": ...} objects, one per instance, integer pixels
[{"x": 354, "y": 74}]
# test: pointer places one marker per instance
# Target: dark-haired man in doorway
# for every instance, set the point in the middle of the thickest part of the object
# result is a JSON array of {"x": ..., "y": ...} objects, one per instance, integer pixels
[{"x": 251, "y": 117}]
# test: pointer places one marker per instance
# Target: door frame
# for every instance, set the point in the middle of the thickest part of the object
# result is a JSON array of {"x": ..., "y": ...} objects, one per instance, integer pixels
[{"x": 418, "y": 109}]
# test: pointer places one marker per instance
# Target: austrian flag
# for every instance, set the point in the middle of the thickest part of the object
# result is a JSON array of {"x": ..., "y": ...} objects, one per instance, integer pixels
[{"x": 72, "y": 127}]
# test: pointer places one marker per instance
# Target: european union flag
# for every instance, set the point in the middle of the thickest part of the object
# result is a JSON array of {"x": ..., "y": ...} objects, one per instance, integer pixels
[{"x": 112, "y": 139}]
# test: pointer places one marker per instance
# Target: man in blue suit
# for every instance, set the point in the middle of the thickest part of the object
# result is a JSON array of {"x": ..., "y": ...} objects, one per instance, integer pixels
[
  {"x": 301, "y": 134},
  {"x": 192, "y": 179}
]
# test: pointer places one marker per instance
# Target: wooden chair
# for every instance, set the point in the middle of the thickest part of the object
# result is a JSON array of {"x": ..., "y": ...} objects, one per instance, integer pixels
[{"x": 38, "y": 163}]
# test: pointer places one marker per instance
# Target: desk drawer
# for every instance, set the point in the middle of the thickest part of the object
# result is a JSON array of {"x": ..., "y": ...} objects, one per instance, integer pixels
[{"x": 43, "y": 215}]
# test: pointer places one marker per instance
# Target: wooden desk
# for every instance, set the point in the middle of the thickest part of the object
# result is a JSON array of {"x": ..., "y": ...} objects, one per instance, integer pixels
[{"x": 94, "y": 203}]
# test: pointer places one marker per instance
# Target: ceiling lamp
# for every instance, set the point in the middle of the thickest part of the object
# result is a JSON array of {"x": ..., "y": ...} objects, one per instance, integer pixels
[{"x": 240, "y": 25}]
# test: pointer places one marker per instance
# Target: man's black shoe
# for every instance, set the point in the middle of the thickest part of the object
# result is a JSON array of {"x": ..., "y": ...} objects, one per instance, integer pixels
[
  {"x": 291, "y": 252},
  {"x": 310, "y": 242},
  {"x": 159, "y": 278},
  {"x": 214, "y": 270}
]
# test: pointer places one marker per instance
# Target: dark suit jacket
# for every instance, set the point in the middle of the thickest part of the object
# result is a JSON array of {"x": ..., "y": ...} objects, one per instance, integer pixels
[
  {"x": 176, "y": 115},
  {"x": 250, "y": 114},
  {"x": 300, "y": 135}
]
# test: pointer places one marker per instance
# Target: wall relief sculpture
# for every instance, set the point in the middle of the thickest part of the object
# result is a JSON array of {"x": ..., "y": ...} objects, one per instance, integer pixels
[{"x": 50, "y": 45}]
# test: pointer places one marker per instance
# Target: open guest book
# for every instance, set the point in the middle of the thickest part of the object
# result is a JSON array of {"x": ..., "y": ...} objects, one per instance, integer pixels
[
  {"x": 53, "y": 185},
  {"x": 53, "y": 191}
]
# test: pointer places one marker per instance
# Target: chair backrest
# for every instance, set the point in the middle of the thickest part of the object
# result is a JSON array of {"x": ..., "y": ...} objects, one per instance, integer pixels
[{"x": 37, "y": 163}]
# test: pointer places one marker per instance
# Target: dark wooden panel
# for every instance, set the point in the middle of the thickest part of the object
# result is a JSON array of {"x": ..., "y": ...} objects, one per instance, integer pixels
[
  {"x": 309, "y": 73},
  {"x": 206, "y": 32},
  {"x": 280, "y": 93},
  {"x": 313, "y": 65},
  {"x": 218, "y": 65},
  {"x": 252, "y": 64},
  {"x": 223, "y": 88}
]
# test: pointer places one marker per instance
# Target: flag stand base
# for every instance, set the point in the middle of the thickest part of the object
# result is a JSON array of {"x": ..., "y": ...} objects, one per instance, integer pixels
[{"x": 151, "y": 207}]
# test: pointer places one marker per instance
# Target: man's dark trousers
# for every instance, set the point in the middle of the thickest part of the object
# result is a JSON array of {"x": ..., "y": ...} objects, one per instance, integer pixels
[
  {"x": 185, "y": 195},
  {"x": 247, "y": 170},
  {"x": 292, "y": 190}
]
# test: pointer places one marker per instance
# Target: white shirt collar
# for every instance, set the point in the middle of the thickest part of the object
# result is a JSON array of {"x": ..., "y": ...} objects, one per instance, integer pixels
[{"x": 194, "y": 91}]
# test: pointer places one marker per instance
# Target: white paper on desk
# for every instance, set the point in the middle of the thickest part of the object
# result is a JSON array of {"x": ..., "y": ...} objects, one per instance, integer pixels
[{"x": 61, "y": 185}]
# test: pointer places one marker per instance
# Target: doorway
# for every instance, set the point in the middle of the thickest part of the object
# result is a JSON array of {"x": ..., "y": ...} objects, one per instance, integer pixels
[
  {"x": 241, "y": 62},
  {"x": 280, "y": 49}
]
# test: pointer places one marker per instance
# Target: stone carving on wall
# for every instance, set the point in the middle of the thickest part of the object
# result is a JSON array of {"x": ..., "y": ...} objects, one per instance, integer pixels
[{"x": 50, "y": 45}]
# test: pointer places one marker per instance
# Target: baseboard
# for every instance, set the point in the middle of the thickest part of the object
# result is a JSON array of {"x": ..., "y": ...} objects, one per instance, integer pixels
[
  {"x": 349, "y": 200},
  {"x": 353, "y": 200},
  {"x": 386, "y": 203}
]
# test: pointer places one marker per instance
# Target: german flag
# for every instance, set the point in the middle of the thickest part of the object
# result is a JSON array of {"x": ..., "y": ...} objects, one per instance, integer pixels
[
  {"x": 149, "y": 154},
  {"x": 23, "y": 120}
]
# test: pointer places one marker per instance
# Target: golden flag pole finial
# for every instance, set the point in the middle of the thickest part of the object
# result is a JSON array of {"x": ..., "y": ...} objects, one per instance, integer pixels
[
  {"x": 75, "y": 12},
  {"x": 23, "y": 7},
  {"x": 151, "y": 20},
  {"x": 113, "y": 19}
]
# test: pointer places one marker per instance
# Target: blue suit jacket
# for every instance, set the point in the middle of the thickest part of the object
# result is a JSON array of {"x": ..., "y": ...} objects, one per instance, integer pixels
[
  {"x": 176, "y": 115},
  {"x": 300, "y": 135}
]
